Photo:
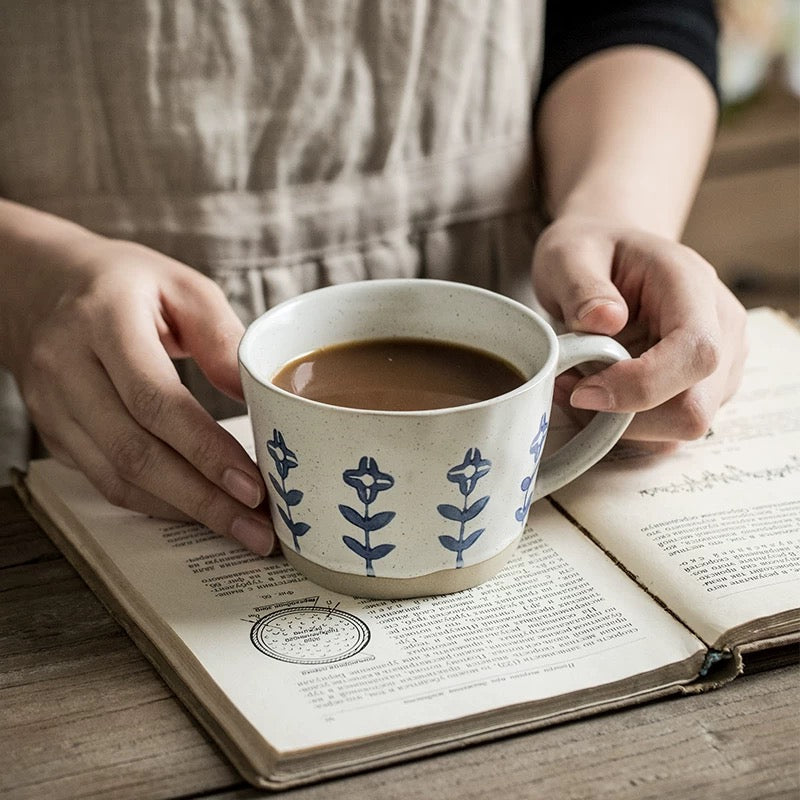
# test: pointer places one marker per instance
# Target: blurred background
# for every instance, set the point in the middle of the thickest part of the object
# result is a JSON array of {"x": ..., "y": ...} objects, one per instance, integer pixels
[{"x": 746, "y": 219}]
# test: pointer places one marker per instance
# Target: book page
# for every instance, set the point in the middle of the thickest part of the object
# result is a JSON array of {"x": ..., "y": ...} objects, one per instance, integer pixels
[
  {"x": 714, "y": 528},
  {"x": 307, "y": 667}
]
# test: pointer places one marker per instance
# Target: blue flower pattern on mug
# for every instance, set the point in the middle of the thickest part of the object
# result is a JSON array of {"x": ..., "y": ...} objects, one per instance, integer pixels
[
  {"x": 368, "y": 481},
  {"x": 285, "y": 460},
  {"x": 527, "y": 482},
  {"x": 466, "y": 475}
]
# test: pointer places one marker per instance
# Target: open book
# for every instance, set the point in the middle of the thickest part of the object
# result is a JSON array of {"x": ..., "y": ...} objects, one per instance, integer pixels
[{"x": 649, "y": 576}]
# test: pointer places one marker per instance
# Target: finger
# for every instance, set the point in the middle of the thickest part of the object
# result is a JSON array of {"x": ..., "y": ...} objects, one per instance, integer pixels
[
  {"x": 146, "y": 381},
  {"x": 573, "y": 282},
  {"x": 690, "y": 414},
  {"x": 665, "y": 370},
  {"x": 56, "y": 449},
  {"x": 683, "y": 310},
  {"x": 140, "y": 459},
  {"x": 90, "y": 461},
  {"x": 207, "y": 329},
  {"x": 685, "y": 417}
]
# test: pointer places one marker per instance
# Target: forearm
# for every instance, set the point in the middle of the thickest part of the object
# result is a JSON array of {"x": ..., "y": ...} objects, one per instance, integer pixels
[{"x": 624, "y": 136}]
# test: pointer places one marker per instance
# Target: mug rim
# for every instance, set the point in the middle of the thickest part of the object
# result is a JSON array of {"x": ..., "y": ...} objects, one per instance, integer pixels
[{"x": 252, "y": 331}]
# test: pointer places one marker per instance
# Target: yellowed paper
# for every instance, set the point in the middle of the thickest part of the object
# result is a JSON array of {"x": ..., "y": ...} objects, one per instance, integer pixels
[{"x": 714, "y": 529}]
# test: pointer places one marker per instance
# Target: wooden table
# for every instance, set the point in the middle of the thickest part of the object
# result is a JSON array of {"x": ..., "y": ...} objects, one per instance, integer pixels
[{"x": 82, "y": 714}]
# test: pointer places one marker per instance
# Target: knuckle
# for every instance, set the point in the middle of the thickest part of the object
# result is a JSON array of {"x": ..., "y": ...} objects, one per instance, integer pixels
[
  {"x": 86, "y": 309},
  {"x": 147, "y": 403},
  {"x": 642, "y": 393},
  {"x": 189, "y": 281},
  {"x": 554, "y": 248},
  {"x": 43, "y": 357},
  {"x": 706, "y": 353},
  {"x": 694, "y": 415},
  {"x": 696, "y": 262},
  {"x": 205, "y": 452},
  {"x": 214, "y": 290},
  {"x": 131, "y": 455}
]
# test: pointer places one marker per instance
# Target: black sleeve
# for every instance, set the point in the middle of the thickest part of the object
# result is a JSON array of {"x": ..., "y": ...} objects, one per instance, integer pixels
[{"x": 575, "y": 30}]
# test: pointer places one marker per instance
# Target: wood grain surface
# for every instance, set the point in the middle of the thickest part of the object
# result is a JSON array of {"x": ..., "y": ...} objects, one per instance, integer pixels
[{"x": 83, "y": 715}]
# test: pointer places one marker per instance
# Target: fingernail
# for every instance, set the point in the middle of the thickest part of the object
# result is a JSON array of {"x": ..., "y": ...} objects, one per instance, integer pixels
[
  {"x": 593, "y": 398},
  {"x": 591, "y": 305},
  {"x": 240, "y": 485},
  {"x": 255, "y": 534}
]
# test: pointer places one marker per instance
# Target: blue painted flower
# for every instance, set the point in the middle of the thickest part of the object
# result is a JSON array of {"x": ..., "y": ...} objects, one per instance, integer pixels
[
  {"x": 466, "y": 475},
  {"x": 367, "y": 480},
  {"x": 285, "y": 460},
  {"x": 283, "y": 457},
  {"x": 469, "y": 471},
  {"x": 538, "y": 441},
  {"x": 537, "y": 445}
]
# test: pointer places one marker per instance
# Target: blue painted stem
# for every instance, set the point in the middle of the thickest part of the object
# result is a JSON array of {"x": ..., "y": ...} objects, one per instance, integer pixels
[
  {"x": 460, "y": 554},
  {"x": 289, "y": 514},
  {"x": 370, "y": 570}
]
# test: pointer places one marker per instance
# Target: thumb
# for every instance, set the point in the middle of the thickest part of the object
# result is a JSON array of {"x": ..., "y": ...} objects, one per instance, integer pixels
[
  {"x": 205, "y": 327},
  {"x": 573, "y": 282}
]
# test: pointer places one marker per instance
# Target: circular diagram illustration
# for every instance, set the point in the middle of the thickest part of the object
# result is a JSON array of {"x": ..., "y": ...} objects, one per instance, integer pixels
[{"x": 310, "y": 635}]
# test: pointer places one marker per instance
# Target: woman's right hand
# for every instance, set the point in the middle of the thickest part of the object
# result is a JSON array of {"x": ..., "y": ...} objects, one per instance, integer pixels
[{"x": 88, "y": 326}]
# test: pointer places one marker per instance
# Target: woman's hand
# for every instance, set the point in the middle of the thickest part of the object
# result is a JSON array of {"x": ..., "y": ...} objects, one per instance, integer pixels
[
  {"x": 665, "y": 304},
  {"x": 623, "y": 138},
  {"x": 90, "y": 325}
]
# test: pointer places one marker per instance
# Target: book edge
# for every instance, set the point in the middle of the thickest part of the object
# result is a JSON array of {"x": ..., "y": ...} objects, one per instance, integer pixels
[{"x": 141, "y": 640}]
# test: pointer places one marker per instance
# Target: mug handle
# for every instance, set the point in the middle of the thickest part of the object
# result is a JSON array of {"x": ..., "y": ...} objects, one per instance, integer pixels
[{"x": 589, "y": 445}]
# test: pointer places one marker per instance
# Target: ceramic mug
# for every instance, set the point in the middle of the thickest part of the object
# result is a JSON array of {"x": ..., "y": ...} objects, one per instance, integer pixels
[{"x": 411, "y": 503}]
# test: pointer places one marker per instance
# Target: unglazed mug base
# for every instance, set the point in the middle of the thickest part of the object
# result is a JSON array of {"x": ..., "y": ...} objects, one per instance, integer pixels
[{"x": 446, "y": 581}]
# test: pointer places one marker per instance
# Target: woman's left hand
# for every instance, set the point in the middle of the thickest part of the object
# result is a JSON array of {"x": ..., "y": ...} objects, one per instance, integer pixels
[{"x": 662, "y": 301}]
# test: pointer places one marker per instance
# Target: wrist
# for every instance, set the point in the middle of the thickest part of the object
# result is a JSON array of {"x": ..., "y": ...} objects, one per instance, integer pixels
[
  {"x": 602, "y": 198},
  {"x": 40, "y": 258}
]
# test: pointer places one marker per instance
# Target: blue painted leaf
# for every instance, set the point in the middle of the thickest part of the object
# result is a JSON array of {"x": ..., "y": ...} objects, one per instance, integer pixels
[
  {"x": 521, "y": 512},
  {"x": 293, "y": 497},
  {"x": 475, "y": 508},
  {"x": 356, "y": 546},
  {"x": 380, "y": 551},
  {"x": 472, "y": 538},
  {"x": 278, "y": 487},
  {"x": 450, "y": 543},
  {"x": 352, "y": 516},
  {"x": 525, "y": 485},
  {"x": 450, "y": 512},
  {"x": 379, "y": 520},
  {"x": 285, "y": 518},
  {"x": 299, "y": 528}
]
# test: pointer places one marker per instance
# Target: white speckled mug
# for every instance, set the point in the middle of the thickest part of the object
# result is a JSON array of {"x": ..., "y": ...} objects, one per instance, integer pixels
[{"x": 410, "y": 503}]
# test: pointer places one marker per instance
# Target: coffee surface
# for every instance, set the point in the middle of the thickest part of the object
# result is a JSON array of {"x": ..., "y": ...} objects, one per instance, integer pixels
[{"x": 398, "y": 375}]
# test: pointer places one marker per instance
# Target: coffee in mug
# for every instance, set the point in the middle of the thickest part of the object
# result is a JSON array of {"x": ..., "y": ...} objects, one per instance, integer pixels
[{"x": 398, "y": 375}]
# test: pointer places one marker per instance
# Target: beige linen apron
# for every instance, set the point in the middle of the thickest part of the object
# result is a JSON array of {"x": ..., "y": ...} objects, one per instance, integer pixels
[{"x": 277, "y": 146}]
